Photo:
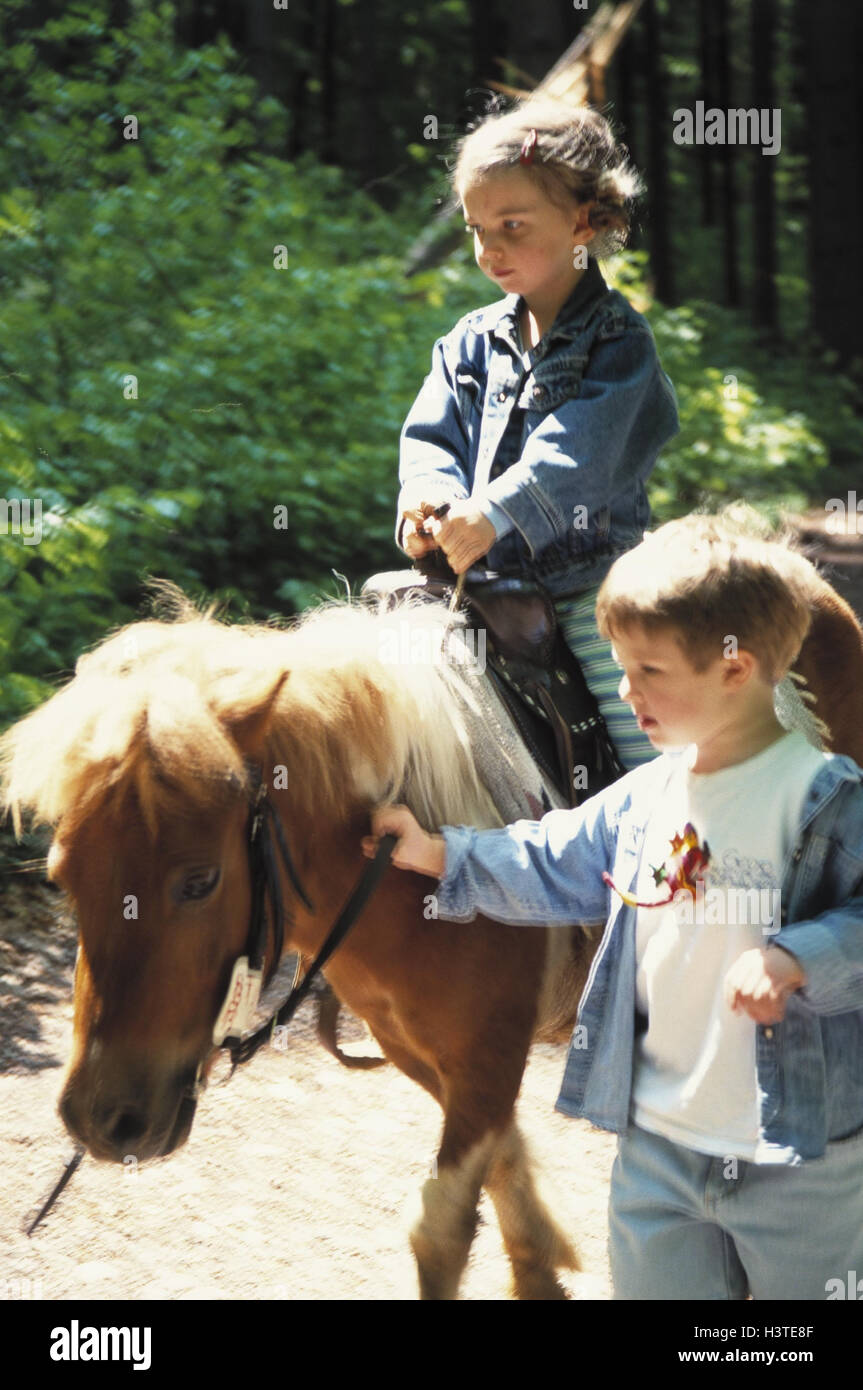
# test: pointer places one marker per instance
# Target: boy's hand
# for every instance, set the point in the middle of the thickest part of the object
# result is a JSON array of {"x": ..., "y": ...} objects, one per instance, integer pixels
[
  {"x": 416, "y": 849},
  {"x": 464, "y": 535},
  {"x": 760, "y": 981}
]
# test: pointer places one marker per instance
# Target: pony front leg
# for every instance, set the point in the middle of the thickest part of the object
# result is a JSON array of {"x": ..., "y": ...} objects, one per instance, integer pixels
[
  {"x": 441, "y": 1237},
  {"x": 534, "y": 1242}
]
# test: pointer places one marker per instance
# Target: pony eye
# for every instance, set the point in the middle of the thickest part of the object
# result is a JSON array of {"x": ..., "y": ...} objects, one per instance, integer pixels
[{"x": 199, "y": 884}]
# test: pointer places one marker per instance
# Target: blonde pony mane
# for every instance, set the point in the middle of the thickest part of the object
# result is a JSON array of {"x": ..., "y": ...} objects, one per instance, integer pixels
[{"x": 159, "y": 710}]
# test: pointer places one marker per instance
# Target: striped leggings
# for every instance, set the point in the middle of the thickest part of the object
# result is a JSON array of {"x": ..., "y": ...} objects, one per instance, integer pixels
[{"x": 575, "y": 616}]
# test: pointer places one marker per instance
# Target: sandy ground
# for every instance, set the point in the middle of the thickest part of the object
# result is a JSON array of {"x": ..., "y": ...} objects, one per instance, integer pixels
[{"x": 298, "y": 1176}]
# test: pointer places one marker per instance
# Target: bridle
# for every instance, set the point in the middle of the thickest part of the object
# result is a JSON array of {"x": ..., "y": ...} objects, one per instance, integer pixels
[
  {"x": 238, "y": 1010},
  {"x": 241, "y": 999}
]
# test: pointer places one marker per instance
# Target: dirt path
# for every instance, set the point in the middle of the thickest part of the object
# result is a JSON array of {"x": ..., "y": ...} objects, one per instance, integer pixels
[{"x": 297, "y": 1176}]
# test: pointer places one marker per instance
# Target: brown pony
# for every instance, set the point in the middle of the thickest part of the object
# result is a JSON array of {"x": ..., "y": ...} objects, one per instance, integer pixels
[{"x": 142, "y": 766}]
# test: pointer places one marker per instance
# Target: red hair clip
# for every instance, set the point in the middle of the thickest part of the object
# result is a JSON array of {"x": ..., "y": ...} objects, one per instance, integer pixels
[{"x": 528, "y": 149}]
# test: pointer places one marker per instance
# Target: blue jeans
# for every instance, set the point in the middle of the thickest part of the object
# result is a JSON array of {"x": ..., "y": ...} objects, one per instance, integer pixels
[{"x": 679, "y": 1228}]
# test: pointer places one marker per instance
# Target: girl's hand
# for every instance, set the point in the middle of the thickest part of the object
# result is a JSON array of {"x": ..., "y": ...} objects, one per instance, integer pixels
[
  {"x": 760, "y": 981},
  {"x": 416, "y": 849},
  {"x": 417, "y": 543},
  {"x": 464, "y": 535}
]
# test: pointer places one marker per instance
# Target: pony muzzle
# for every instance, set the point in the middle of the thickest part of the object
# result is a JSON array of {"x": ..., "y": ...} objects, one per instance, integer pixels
[{"x": 130, "y": 1120}]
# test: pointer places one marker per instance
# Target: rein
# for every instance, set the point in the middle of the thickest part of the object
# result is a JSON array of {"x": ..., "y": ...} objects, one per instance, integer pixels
[{"x": 244, "y": 989}]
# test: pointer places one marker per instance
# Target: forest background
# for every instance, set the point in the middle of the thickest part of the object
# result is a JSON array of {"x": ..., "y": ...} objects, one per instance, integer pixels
[{"x": 173, "y": 389}]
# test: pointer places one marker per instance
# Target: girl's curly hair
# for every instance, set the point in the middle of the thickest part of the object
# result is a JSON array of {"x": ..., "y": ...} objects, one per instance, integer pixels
[{"x": 575, "y": 157}]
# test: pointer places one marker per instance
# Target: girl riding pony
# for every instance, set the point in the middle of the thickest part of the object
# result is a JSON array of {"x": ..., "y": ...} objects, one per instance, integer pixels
[{"x": 544, "y": 413}]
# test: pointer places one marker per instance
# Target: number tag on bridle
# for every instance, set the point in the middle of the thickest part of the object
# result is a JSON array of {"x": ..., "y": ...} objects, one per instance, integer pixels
[{"x": 238, "y": 1011}]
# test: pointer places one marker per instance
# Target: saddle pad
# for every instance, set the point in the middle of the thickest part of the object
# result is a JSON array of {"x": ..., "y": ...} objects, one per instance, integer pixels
[{"x": 516, "y": 785}]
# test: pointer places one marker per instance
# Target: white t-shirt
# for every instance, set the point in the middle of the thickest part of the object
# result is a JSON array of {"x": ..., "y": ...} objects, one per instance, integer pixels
[{"x": 695, "y": 1076}]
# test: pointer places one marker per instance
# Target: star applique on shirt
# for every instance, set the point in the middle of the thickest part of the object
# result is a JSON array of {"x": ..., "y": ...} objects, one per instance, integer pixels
[{"x": 684, "y": 867}]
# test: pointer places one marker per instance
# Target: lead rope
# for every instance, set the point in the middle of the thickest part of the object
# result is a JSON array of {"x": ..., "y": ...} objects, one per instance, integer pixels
[
  {"x": 243, "y": 1049},
  {"x": 68, "y": 1173}
]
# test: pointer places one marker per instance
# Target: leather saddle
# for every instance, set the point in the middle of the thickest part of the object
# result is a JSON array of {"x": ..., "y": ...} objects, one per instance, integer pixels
[{"x": 534, "y": 672}]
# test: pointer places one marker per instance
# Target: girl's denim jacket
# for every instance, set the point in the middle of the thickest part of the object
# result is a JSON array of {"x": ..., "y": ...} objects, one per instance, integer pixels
[
  {"x": 809, "y": 1066},
  {"x": 556, "y": 455}
]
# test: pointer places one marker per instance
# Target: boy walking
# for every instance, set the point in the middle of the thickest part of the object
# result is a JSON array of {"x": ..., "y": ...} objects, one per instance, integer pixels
[{"x": 721, "y": 1030}]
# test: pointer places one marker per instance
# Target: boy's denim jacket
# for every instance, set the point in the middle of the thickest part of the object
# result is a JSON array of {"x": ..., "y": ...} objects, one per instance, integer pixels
[
  {"x": 557, "y": 456},
  {"x": 809, "y": 1066}
]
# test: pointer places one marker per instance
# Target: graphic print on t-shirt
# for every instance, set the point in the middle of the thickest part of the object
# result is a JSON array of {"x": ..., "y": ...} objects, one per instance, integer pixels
[
  {"x": 680, "y": 872},
  {"x": 738, "y": 889}
]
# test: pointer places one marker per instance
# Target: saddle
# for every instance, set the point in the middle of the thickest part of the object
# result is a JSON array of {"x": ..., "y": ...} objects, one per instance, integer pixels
[{"x": 533, "y": 670}]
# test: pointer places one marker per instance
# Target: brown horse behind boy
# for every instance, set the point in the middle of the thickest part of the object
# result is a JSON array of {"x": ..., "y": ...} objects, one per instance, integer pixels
[{"x": 145, "y": 764}]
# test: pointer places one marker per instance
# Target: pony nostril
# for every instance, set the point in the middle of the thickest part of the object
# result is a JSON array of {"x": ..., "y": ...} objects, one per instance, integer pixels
[{"x": 129, "y": 1126}]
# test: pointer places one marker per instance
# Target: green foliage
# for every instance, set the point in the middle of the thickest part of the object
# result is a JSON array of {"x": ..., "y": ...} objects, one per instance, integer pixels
[
  {"x": 165, "y": 389},
  {"x": 752, "y": 424},
  {"x": 736, "y": 439},
  {"x": 170, "y": 394}
]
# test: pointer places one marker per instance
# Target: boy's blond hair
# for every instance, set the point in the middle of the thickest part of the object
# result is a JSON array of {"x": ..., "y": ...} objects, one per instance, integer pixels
[{"x": 710, "y": 578}]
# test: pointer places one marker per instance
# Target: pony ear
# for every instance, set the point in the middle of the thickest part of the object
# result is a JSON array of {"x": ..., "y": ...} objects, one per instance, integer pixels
[{"x": 244, "y": 703}]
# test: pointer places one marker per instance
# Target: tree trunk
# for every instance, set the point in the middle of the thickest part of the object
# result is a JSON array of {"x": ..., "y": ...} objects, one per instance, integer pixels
[
  {"x": 833, "y": 42},
  {"x": 726, "y": 159},
  {"x": 622, "y": 74},
  {"x": 623, "y": 77},
  {"x": 326, "y": 67},
  {"x": 707, "y": 45},
  {"x": 299, "y": 139},
  {"x": 380, "y": 154},
  {"x": 486, "y": 40},
  {"x": 658, "y": 136},
  {"x": 266, "y": 28},
  {"x": 536, "y": 35},
  {"x": 764, "y": 251}
]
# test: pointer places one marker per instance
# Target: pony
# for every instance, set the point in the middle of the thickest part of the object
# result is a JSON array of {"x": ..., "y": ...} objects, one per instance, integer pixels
[{"x": 145, "y": 765}]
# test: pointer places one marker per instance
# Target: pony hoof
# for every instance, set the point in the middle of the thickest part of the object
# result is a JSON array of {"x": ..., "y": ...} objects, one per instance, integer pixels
[{"x": 539, "y": 1286}]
